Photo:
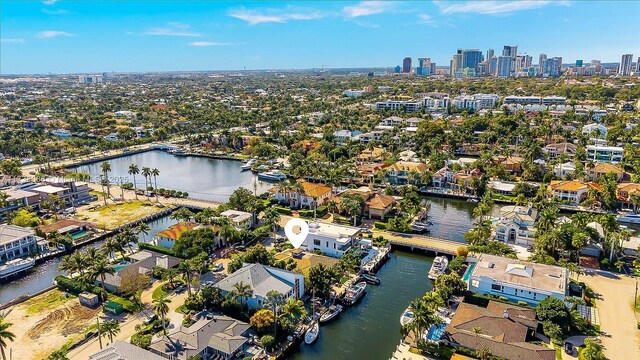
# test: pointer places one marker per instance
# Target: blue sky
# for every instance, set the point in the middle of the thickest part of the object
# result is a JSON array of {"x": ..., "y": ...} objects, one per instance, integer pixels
[{"x": 74, "y": 36}]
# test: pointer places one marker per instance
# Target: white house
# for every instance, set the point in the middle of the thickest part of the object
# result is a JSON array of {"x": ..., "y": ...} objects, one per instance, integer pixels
[
  {"x": 515, "y": 225},
  {"x": 63, "y": 133},
  {"x": 16, "y": 241},
  {"x": 343, "y": 135},
  {"x": 332, "y": 239},
  {"x": 612, "y": 154},
  {"x": 353, "y": 93},
  {"x": 562, "y": 170},
  {"x": 516, "y": 280},
  {"x": 595, "y": 130},
  {"x": 111, "y": 137},
  {"x": 239, "y": 219},
  {"x": 262, "y": 279}
]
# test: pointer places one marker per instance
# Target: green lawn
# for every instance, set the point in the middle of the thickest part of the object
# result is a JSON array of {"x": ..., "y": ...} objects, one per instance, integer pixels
[
  {"x": 47, "y": 301},
  {"x": 159, "y": 292}
]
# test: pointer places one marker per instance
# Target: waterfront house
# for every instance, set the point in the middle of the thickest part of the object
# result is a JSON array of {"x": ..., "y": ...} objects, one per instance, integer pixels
[
  {"x": 376, "y": 204},
  {"x": 122, "y": 350},
  {"x": 570, "y": 190},
  {"x": 516, "y": 225},
  {"x": 262, "y": 279},
  {"x": 168, "y": 237},
  {"x": 218, "y": 337},
  {"x": 625, "y": 194},
  {"x": 595, "y": 130},
  {"x": 239, "y": 219},
  {"x": 601, "y": 169},
  {"x": 503, "y": 329},
  {"x": 308, "y": 195},
  {"x": 371, "y": 155},
  {"x": 304, "y": 260},
  {"x": 512, "y": 164},
  {"x": 331, "y": 239},
  {"x": 368, "y": 171},
  {"x": 17, "y": 199},
  {"x": 406, "y": 172},
  {"x": 142, "y": 263},
  {"x": 516, "y": 280},
  {"x": 75, "y": 228},
  {"x": 16, "y": 242}
]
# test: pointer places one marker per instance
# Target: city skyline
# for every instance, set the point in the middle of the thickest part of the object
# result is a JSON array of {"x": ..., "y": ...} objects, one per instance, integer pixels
[{"x": 73, "y": 37}]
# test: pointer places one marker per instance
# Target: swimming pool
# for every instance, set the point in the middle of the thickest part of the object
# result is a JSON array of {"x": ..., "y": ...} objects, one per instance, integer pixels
[
  {"x": 79, "y": 234},
  {"x": 435, "y": 332},
  {"x": 467, "y": 274}
]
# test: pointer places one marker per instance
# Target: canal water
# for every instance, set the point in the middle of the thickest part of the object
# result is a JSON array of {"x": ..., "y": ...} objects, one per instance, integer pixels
[
  {"x": 203, "y": 178},
  {"x": 370, "y": 330},
  {"x": 41, "y": 276}
]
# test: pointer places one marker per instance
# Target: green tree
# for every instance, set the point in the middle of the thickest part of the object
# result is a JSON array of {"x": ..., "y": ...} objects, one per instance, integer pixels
[
  {"x": 593, "y": 350},
  {"x": 161, "y": 307},
  {"x": 110, "y": 328},
  {"x": 243, "y": 291},
  {"x": 5, "y": 336},
  {"x": 134, "y": 170}
]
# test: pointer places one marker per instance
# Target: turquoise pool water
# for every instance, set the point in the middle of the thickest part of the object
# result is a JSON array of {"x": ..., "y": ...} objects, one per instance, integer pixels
[
  {"x": 435, "y": 332},
  {"x": 467, "y": 274},
  {"x": 79, "y": 235},
  {"x": 118, "y": 267}
]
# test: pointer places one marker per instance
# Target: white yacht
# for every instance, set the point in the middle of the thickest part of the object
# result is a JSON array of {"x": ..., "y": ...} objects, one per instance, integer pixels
[
  {"x": 15, "y": 266},
  {"x": 248, "y": 164},
  {"x": 272, "y": 176},
  {"x": 439, "y": 267},
  {"x": 407, "y": 316}
]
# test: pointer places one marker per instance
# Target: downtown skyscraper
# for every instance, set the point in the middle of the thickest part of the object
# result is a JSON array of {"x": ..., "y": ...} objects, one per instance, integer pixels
[
  {"x": 406, "y": 65},
  {"x": 625, "y": 65}
]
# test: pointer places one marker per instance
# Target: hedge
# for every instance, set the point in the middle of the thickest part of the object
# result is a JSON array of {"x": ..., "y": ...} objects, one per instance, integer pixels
[
  {"x": 380, "y": 225},
  {"x": 282, "y": 210},
  {"x": 159, "y": 249},
  {"x": 76, "y": 287}
]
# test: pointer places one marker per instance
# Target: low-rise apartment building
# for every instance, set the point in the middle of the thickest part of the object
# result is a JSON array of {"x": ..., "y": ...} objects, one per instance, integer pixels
[{"x": 331, "y": 239}]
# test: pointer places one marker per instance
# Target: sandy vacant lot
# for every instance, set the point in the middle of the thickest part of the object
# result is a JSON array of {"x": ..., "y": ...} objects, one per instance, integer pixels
[
  {"x": 47, "y": 322},
  {"x": 114, "y": 215}
]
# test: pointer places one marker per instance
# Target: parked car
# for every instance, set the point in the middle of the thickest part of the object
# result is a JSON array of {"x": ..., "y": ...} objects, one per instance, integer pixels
[
  {"x": 180, "y": 289},
  {"x": 151, "y": 319},
  {"x": 218, "y": 267},
  {"x": 568, "y": 348}
]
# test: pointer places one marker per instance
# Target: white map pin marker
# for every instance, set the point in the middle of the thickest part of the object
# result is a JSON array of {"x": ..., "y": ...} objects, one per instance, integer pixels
[{"x": 296, "y": 239}]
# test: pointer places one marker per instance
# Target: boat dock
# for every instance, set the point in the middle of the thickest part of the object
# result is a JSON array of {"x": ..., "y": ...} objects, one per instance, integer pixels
[{"x": 420, "y": 242}]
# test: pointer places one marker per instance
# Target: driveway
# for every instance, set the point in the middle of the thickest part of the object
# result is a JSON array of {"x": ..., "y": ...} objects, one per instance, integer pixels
[{"x": 614, "y": 300}]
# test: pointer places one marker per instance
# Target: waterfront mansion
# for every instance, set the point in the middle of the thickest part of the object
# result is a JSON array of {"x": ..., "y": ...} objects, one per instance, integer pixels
[
  {"x": 16, "y": 241},
  {"x": 516, "y": 280},
  {"x": 515, "y": 225},
  {"x": 332, "y": 239}
]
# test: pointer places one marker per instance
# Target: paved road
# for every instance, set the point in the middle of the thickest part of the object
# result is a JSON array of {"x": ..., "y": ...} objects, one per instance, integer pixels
[{"x": 617, "y": 317}]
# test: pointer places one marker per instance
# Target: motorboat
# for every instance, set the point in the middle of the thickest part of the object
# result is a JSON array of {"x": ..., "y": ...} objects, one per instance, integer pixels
[
  {"x": 312, "y": 334},
  {"x": 407, "y": 316},
  {"x": 371, "y": 279},
  {"x": 628, "y": 217},
  {"x": 439, "y": 266},
  {"x": 473, "y": 200},
  {"x": 355, "y": 292},
  {"x": 15, "y": 266},
  {"x": 275, "y": 176},
  {"x": 331, "y": 314},
  {"x": 248, "y": 164}
]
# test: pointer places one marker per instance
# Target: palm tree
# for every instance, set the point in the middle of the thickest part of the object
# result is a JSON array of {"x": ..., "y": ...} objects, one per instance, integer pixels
[
  {"x": 293, "y": 309},
  {"x": 275, "y": 300},
  {"x": 423, "y": 318},
  {"x": 5, "y": 336},
  {"x": 134, "y": 170},
  {"x": 187, "y": 270},
  {"x": 155, "y": 172},
  {"x": 104, "y": 183},
  {"x": 243, "y": 291},
  {"x": 143, "y": 228},
  {"x": 110, "y": 328},
  {"x": 146, "y": 172},
  {"x": 272, "y": 218},
  {"x": 106, "y": 168},
  {"x": 74, "y": 263},
  {"x": 111, "y": 245},
  {"x": 127, "y": 237},
  {"x": 161, "y": 307},
  {"x": 170, "y": 275},
  {"x": 99, "y": 269}
]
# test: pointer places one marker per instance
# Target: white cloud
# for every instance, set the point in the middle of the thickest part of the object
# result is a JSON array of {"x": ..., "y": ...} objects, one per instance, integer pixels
[
  {"x": 367, "y": 24},
  {"x": 49, "y": 2},
  {"x": 366, "y": 8},
  {"x": 206, "y": 43},
  {"x": 172, "y": 29},
  {"x": 426, "y": 19},
  {"x": 11, "y": 41},
  {"x": 53, "y": 33},
  {"x": 255, "y": 17},
  {"x": 493, "y": 7},
  {"x": 54, "y": 12}
]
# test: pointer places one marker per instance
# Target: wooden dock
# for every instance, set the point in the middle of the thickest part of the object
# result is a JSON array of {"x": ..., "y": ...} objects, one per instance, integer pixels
[{"x": 425, "y": 243}]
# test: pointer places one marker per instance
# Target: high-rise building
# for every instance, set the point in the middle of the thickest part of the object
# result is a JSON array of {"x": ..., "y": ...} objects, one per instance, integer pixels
[
  {"x": 578, "y": 63},
  {"x": 552, "y": 67},
  {"x": 510, "y": 51},
  {"x": 424, "y": 66},
  {"x": 397, "y": 69},
  {"x": 528, "y": 61},
  {"x": 456, "y": 62},
  {"x": 471, "y": 58},
  {"x": 638, "y": 65},
  {"x": 406, "y": 65},
  {"x": 504, "y": 66},
  {"x": 625, "y": 65},
  {"x": 433, "y": 68},
  {"x": 541, "y": 60},
  {"x": 490, "y": 54},
  {"x": 493, "y": 65}
]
